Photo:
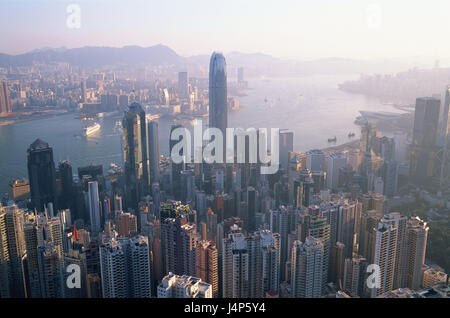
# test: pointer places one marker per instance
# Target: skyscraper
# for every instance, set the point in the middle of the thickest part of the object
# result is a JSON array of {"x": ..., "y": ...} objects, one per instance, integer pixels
[
  {"x": 183, "y": 85},
  {"x": 399, "y": 221},
  {"x": 336, "y": 161},
  {"x": 94, "y": 206},
  {"x": 42, "y": 175},
  {"x": 384, "y": 254},
  {"x": 319, "y": 229},
  {"x": 51, "y": 270},
  {"x": 247, "y": 263},
  {"x": 307, "y": 268},
  {"x": 444, "y": 182},
  {"x": 315, "y": 160},
  {"x": 355, "y": 274},
  {"x": 176, "y": 168},
  {"x": 66, "y": 198},
  {"x": 286, "y": 145},
  {"x": 153, "y": 150},
  {"x": 423, "y": 147},
  {"x": 12, "y": 253},
  {"x": 179, "y": 238},
  {"x": 125, "y": 268},
  {"x": 416, "y": 236},
  {"x": 218, "y": 108},
  {"x": 135, "y": 156},
  {"x": 207, "y": 265},
  {"x": 5, "y": 102}
]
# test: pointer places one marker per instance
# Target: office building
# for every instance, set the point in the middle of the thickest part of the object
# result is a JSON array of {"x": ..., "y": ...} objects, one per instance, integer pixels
[
  {"x": 423, "y": 148},
  {"x": 183, "y": 85},
  {"x": 41, "y": 174},
  {"x": 336, "y": 161},
  {"x": 5, "y": 101},
  {"x": 135, "y": 156},
  {"x": 94, "y": 207},
  {"x": 153, "y": 151},
  {"x": 218, "y": 107}
]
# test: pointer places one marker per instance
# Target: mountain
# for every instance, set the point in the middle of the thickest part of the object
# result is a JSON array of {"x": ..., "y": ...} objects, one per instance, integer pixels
[
  {"x": 96, "y": 56},
  {"x": 255, "y": 64}
]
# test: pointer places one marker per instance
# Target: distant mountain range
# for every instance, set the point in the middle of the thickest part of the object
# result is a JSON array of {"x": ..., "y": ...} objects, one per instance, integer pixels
[{"x": 255, "y": 63}]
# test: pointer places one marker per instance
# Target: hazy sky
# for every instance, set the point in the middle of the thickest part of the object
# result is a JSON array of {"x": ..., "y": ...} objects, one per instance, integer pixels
[{"x": 283, "y": 28}]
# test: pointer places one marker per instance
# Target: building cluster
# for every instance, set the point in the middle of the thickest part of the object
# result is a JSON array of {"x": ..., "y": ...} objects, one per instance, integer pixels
[{"x": 157, "y": 228}]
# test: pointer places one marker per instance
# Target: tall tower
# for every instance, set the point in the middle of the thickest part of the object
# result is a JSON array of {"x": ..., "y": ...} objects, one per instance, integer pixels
[
  {"x": 319, "y": 229},
  {"x": 355, "y": 273},
  {"x": 125, "y": 268},
  {"x": 51, "y": 270},
  {"x": 286, "y": 144},
  {"x": 66, "y": 199},
  {"x": 445, "y": 140},
  {"x": 336, "y": 161},
  {"x": 176, "y": 168},
  {"x": 423, "y": 147},
  {"x": 41, "y": 173},
  {"x": 207, "y": 265},
  {"x": 307, "y": 268},
  {"x": 179, "y": 239},
  {"x": 218, "y": 108},
  {"x": 183, "y": 85},
  {"x": 417, "y": 235},
  {"x": 385, "y": 252},
  {"x": 399, "y": 221},
  {"x": 153, "y": 150},
  {"x": 135, "y": 156},
  {"x": 12, "y": 253},
  {"x": 94, "y": 206},
  {"x": 5, "y": 102}
]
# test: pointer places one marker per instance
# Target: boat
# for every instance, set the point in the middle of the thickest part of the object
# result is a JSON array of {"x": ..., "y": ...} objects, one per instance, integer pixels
[
  {"x": 89, "y": 130},
  {"x": 351, "y": 134},
  {"x": 334, "y": 139}
]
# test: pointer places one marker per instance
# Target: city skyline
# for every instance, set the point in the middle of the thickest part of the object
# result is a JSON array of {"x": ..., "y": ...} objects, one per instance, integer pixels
[{"x": 330, "y": 185}]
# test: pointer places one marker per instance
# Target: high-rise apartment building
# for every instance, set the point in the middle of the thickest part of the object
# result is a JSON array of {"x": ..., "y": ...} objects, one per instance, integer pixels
[
  {"x": 125, "y": 268},
  {"x": 207, "y": 265},
  {"x": 384, "y": 255},
  {"x": 12, "y": 253},
  {"x": 307, "y": 268}
]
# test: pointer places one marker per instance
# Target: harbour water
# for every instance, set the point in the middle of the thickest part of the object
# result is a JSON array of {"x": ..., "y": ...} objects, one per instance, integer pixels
[{"x": 313, "y": 107}]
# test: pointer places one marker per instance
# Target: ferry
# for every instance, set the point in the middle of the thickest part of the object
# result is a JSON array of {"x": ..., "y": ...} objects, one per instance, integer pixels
[
  {"x": 89, "y": 130},
  {"x": 334, "y": 139},
  {"x": 351, "y": 134}
]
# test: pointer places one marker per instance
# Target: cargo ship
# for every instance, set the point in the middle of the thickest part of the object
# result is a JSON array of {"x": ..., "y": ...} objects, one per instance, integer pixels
[{"x": 89, "y": 130}]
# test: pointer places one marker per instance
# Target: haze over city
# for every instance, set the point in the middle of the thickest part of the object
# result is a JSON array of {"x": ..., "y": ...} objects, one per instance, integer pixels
[
  {"x": 286, "y": 29},
  {"x": 253, "y": 152}
]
